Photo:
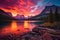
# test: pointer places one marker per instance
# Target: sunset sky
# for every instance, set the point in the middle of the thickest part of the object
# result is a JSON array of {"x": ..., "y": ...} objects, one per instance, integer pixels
[{"x": 26, "y": 7}]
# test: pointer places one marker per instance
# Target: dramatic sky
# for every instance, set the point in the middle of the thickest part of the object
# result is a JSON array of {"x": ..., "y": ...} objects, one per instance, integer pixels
[{"x": 26, "y": 7}]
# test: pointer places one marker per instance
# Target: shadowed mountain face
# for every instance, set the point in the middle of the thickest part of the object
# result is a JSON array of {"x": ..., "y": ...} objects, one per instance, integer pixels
[
  {"x": 46, "y": 11},
  {"x": 5, "y": 16}
]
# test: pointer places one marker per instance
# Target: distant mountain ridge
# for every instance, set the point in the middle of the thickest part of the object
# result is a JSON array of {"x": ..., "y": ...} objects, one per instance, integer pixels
[
  {"x": 19, "y": 17},
  {"x": 46, "y": 11},
  {"x": 4, "y": 15}
]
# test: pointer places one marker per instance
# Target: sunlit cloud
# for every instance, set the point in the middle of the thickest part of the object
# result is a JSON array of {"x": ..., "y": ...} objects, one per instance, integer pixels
[{"x": 25, "y": 7}]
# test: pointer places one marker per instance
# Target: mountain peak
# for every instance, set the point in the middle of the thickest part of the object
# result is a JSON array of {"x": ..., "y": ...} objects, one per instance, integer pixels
[{"x": 1, "y": 10}]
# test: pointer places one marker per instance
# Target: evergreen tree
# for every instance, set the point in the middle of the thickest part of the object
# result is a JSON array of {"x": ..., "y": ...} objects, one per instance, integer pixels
[
  {"x": 56, "y": 15},
  {"x": 50, "y": 18}
]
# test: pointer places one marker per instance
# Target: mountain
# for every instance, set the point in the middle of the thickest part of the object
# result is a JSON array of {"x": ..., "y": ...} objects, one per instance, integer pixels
[
  {"x": 19, "y": 17},
  {"x": 46, "y": 11},
  {"x": 5, "y": 16},
  {"x": 9, "y": 14}
]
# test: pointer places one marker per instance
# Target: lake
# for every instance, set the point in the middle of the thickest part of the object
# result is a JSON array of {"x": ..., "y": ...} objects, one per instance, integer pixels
[
  {"x": 26, "y": 30},
  {"x": 18, "y": 27}
]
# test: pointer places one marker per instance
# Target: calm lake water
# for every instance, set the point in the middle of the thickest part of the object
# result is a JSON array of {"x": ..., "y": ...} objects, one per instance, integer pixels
[
  {"x": 11, "y": 30},
  {"x": 18, "y": 27}
]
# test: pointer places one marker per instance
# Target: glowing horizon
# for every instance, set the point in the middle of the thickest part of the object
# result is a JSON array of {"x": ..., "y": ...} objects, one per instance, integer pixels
[{"x": 25, "y": 7}]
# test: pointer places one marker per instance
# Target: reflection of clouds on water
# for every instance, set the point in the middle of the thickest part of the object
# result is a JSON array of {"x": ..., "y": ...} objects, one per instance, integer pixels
[
  {"x": 14, "y": 26},
  {"x": 17, "y": 27},
  {"x": 28, "y": 30}
]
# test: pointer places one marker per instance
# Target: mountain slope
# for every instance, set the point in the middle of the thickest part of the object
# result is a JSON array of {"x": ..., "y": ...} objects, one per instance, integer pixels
[
  {"x": 46, "y": 11},
  {"x": 4, "y": 15}
]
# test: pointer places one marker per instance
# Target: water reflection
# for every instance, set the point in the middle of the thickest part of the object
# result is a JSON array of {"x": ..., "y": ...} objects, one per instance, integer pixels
[
  {"x": 13, "y": 30},
  {"x": 18, "y": 27},
  {"x": 13, "y": 26},
  {"x": 4, "y": 23},
  {"x": 26, "y": 24}
]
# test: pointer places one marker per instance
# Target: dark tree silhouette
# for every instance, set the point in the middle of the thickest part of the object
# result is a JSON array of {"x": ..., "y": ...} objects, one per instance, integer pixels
[
  {"x": 56, "y": 15},
  {"x": 50, "y": 18}
]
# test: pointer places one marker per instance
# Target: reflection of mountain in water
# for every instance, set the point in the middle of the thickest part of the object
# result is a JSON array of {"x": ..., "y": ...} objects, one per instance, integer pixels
[
  {"x": 37, "y": 33},
  {"x": 4, "y": 23}
]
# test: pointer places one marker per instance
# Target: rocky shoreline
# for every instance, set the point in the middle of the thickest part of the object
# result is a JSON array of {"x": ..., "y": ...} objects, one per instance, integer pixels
[{"x": 37, "y": 33}]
